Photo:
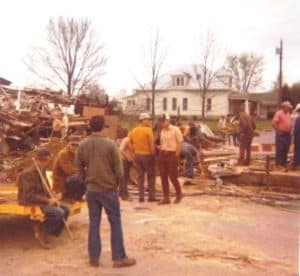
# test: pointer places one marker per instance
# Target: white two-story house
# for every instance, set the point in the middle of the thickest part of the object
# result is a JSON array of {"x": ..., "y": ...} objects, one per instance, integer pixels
[{"x": 178, "y": 93}]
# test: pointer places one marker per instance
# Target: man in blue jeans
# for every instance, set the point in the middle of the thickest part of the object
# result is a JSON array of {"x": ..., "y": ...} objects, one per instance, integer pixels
[
  {"x": 100, "y": 166},
  {"x": 191, "y": 154}
]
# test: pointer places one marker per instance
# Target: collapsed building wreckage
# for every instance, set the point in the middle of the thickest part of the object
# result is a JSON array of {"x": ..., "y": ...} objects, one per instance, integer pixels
[
  {"x": 26, "y": 116},
  {"x": 26, "y": 121}
]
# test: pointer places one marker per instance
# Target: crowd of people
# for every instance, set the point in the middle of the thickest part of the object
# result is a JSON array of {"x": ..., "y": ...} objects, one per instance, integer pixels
[
  {"x": 160, "y": 149},
  {"x": 97, "y": 168},
  {"x": 92, "y": 168},
  {"x": 239, "y": 131}
]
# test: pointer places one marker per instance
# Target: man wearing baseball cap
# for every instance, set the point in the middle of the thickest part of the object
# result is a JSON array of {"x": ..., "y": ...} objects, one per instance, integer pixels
[
  {"x": 171, "y": 141},
  {"x": 32, "y": 191},
  {"x": 142, "y": 141},
  {"x": 282, "y": 124}
]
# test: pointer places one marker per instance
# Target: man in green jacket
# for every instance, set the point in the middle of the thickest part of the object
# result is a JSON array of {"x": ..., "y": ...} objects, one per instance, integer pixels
[{"x": 100, "y": 166}]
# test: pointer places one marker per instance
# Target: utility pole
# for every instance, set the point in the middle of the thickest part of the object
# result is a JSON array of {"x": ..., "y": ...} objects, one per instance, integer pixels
[{"x": 279, "y": 51}]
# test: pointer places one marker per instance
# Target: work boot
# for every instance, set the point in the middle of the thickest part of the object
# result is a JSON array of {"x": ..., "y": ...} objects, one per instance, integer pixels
[
  {"x": 164, "y": 201},
  {"x": 41, "y": 236},
  {"x": 124, "y": 262},
  {"x": 188, "y": 183},
  {"x": 126, "y": 198},
  {"x": 94, "y": 263},
  {"x": 152, "y": 199},
  {"x": 178, "y": 199}
]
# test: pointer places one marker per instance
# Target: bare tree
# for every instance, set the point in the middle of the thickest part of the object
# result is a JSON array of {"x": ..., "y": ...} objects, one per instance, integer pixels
[
  {"x": 72, "y": 57},
  {"x": 155, "y": 55},
  {"x": 205, "y": 68},
  {"x": 96, "y": 94},
  {"x": 247, "y": 70}
]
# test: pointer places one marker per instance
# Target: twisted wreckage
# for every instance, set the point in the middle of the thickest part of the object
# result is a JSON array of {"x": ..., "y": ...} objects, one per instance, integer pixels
[{"x": 26, "y": 121}]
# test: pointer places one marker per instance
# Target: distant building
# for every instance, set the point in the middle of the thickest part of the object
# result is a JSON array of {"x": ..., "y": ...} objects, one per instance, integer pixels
[{"x": 178, "y": 93}]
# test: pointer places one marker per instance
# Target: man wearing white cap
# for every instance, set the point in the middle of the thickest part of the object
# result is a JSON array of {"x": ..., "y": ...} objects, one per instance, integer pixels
[
  {"x": 296, "y": 133},
  {"x": 282, "y": 124},
  {"x": 171, "y": 141},
  {"x": 142, "y": 141}
]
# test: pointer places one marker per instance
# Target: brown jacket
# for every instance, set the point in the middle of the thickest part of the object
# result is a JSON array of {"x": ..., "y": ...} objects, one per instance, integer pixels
[
  {"x": 31, "y": 189},
  {"x": 247, "y": 124},
  {"x": 64, "y": 166}
]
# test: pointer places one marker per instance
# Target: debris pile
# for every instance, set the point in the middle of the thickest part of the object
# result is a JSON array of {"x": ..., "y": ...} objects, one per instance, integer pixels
[
  {"x": 27, "y": 121},
  {"x": 26, "y": 117}
]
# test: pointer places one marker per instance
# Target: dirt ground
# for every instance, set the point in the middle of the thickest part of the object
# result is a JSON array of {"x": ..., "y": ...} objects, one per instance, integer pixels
[{"x": 204, "y": 235}]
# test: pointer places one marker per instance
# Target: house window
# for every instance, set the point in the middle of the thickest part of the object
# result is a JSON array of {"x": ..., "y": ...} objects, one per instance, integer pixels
[
  {"x": 185, "y": 104},
  {"x": 128, "y": 102},
  {"x": 165, "y": 104},
  {"x": 174, "y": 104},
  {"x": 148, "y": 104},
  {"x": 208, "y": 105},
  {"x": 179, "y": 81}
]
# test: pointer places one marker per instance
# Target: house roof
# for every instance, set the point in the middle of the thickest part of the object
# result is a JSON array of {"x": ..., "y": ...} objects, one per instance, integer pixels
[
  {"x": 267, "y": 98},
  {"x": 190, "y": 71}
]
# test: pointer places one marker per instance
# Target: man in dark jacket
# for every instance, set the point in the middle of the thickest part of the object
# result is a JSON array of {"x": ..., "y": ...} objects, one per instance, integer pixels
[
  {"x": 32, "y": 192},
  {"x": 100, "y": 165},
  {"x": 246, "y": 127}
]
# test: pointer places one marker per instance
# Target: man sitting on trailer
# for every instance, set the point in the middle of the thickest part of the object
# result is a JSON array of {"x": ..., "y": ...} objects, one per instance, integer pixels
[
  {"x": 32, "y": 191},
  {"x": 66, "y": 180}
]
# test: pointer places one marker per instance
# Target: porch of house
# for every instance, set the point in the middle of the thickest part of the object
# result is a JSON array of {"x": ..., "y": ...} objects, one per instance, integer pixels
[{"x": 251, "y": 106}]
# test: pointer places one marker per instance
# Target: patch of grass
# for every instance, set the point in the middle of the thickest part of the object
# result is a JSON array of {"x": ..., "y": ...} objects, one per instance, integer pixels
[
  {"x": 261, "y": 125},
  {"x": 212, "y": 124},
  {"x": 130, "y": 122}
]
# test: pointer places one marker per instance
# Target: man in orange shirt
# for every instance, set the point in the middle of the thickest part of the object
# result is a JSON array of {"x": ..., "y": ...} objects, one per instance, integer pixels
[
  {"x": 142, "y": 141},
  {"x": 282, "y": 124}
]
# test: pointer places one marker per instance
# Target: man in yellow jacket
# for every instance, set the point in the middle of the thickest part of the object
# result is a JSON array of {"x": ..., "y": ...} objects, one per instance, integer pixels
[{"x": 142, "y": 142}]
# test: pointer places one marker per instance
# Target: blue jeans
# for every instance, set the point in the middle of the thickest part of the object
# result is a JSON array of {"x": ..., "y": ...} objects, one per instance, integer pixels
[
  {"x": 123, "y": 188},
  {"x": 145, "y": 164},
  {"x": 282, "y": 142},
  {"x": 55, "y": 215},
  {"x": 75, "y": 187},
  {"x": 191, "y": 154},
  {"x": 110, "y": 202}
]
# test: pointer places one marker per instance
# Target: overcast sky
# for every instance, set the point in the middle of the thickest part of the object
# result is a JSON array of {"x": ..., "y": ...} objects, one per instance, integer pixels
[{"x": 239, "y": 26}]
